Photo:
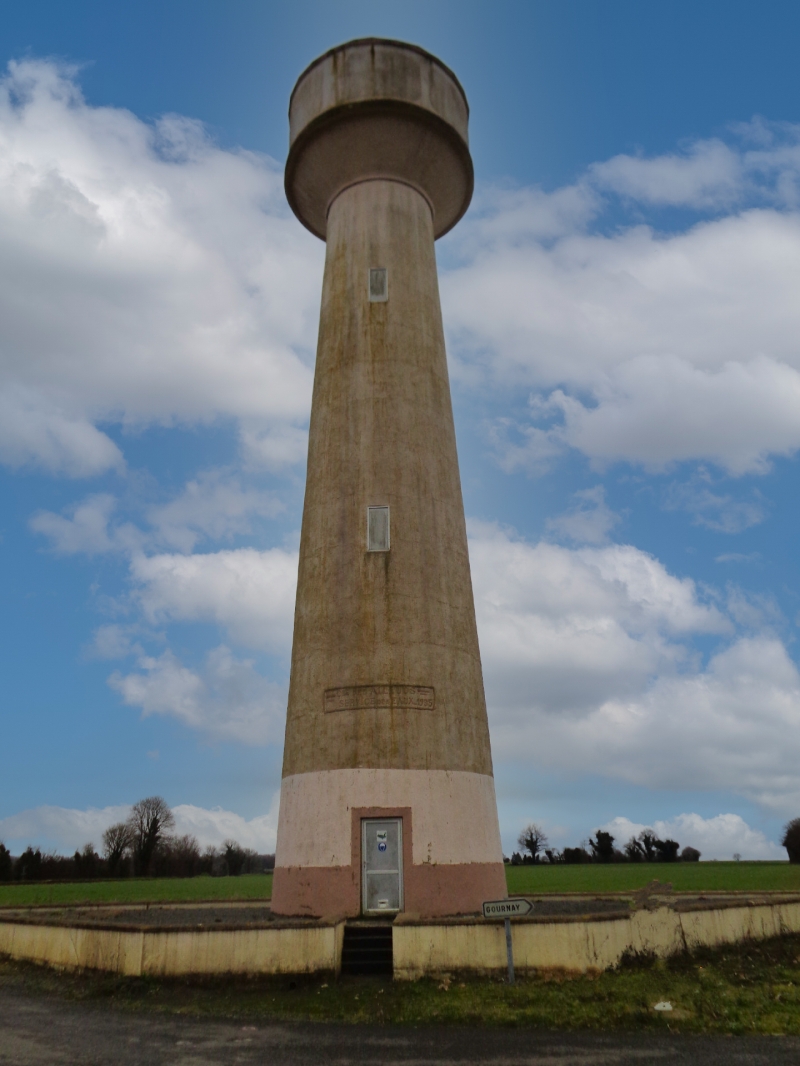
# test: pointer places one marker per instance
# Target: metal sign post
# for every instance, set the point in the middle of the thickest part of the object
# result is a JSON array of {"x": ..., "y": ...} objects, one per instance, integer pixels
[
  {"x": 506, "y": 909},
  {"x": 509, "y": 952}
]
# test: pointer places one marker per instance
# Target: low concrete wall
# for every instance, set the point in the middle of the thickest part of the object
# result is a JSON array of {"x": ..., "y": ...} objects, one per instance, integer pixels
[
  {"x": 581, "y": 944},
  {"x": 420, "y": 947},
  {"x": 303, "y": 949}
]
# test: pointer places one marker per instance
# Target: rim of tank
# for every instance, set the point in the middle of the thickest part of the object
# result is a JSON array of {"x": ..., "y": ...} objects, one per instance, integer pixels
[{"x": 380, "y": 40}]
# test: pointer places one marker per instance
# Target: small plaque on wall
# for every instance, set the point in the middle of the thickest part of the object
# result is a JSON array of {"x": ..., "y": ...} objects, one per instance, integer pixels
[{"x": 372, "y": 697}]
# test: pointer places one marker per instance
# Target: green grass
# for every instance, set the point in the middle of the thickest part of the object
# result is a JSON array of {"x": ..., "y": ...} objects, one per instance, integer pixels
[
  {"x": 684, "y": 876},
  {"x": 172, "y": 889},
  {"x": 748, "y": 988}
]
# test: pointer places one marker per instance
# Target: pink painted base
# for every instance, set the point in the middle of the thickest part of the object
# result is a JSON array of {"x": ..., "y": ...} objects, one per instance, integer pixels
[{"x": 430, "y": 891}]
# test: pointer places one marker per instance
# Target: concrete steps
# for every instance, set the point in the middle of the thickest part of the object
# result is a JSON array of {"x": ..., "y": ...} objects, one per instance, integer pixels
[{"x": 367, "y": 948}]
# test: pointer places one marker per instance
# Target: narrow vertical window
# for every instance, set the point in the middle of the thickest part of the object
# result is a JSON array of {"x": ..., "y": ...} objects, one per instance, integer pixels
[
  {"x": 378, "y": 285},
  {"x": 377, "y": 529}
]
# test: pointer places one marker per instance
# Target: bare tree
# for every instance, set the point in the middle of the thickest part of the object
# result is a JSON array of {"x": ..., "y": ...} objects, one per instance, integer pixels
[
  {"x": 533, "y": 839},
  {"x": 649, "y": 842},
  {"x": 148, "y": 822},
  {"x": 116, "y": 841},
  {"x": 791, "y": 839}
]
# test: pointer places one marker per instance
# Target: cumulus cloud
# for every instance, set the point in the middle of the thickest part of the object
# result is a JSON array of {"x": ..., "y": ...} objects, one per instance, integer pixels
[
  {"x": 640, "y": 346},
  {"x": 720, "y": 837},
  {"x": 213, "y": 827},
  {"x": 563, "y": 630},
  {"x": 590, "y": 669},
  {"x": 114, "y": 641},
  {"x": 248, "y": 592},
  {"x": 275, "y": 447},
  {"x": 83, "y": 529},
  {"x": 212, "y": 506},
  {"x": 61, "y": 828},
  {"x": 36, "y": 431},
  {"x": 588, "y": 521},
  {"x": 227, "y": 699},
  {"x": 709, "y": 174},
  {"x": 723, "y": 513},
  {"x": 146, "y": 275},
  {"x": 66, "y": 829}
]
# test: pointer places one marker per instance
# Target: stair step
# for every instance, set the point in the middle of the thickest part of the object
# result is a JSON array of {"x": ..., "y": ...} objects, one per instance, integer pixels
[{"x": 367, "y": 949}]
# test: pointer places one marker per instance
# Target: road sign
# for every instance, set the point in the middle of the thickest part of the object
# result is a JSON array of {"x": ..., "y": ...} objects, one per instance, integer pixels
[{"x": 507, "y": 908}]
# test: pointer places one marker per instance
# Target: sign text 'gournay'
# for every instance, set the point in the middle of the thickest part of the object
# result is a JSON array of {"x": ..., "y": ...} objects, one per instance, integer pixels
[{"x": 507, "y": 908}]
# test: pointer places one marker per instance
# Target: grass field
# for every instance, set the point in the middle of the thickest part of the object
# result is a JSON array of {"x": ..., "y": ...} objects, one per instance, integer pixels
[
  {"x": 522, "y": 880},
  {"x": 168, "y": 889},
  {"x": 747, "y": 988},
  {"x": 684, "y": 876}
]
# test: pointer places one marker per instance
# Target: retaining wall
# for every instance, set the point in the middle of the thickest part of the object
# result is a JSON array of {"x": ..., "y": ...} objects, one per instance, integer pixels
[
  {"x": 304, "y": 949},
  {"x": 420, "y": 947},
  {"x": 581, "y": 944}
]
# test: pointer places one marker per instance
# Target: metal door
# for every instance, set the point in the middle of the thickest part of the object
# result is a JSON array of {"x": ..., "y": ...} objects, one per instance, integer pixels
[{"x": 381, "y": 865}]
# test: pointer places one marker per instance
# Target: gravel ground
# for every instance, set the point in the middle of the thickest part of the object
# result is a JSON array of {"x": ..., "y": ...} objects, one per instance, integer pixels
[{"x": 43, "y": 1031}]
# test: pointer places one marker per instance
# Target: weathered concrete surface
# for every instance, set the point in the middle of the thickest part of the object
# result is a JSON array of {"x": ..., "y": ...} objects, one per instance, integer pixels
[
  {"x": 382, "y": 433},
  {"x": 580, "y": 944},
  {"x": 386, "y": 675},
  {"x": 378, "y": 109},
  {"x": 135, "y": 952},
  {"x": 575, "y": 943}
]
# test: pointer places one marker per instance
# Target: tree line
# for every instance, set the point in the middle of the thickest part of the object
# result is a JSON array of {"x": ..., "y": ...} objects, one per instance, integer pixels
[
  {"x": 646, "y": 847},
  {"x": 141, "y": 846}
]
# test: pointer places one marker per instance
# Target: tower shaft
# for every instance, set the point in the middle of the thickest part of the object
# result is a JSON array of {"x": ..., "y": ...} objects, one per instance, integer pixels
[{"x": 387, "y": 715}]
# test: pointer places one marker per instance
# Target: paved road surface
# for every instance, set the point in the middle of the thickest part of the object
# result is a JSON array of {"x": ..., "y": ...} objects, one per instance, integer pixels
[{"x": 41, "y": 1030}]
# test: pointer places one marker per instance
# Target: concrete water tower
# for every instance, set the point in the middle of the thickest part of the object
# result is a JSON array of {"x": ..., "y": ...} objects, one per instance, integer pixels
[{"x": 387, "y": 798}]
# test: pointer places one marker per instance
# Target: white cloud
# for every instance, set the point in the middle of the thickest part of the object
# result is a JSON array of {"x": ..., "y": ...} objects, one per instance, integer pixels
[
  {"x": 114, "y": 642},
  {"x": 645, "y": 347},
  {"x": 62, "y": 828},
  {"x": 215, "y": 826},
  {"x": 250, "y": 593},
  {"x": 228, "y": 699},
  {"x": 213, "y": 505},
  {"x": 723, "y": 513},
  {"x": 85, "y": 530},
  {"x": 563, "y": 630},
  {"x": 720, "y": 837},
  {"x": 708, "y": 175},
  {"x": 657, "y": 411},
  {"x": 35, "y": 431},
  {"x": 588, "y": 521},
  {"x": 274, "y": 448},
  {"x": 145, "y": 276},
  {"x": 66, "y": 829},
  {"x": 589, "y": 669}
]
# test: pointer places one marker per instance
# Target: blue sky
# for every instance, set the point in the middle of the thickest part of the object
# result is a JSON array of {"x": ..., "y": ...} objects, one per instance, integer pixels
[{"x": 622, "y": 320}]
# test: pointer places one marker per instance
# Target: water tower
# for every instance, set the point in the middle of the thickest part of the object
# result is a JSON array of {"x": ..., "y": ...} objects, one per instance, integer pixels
[{"x": 387, "y": 797}]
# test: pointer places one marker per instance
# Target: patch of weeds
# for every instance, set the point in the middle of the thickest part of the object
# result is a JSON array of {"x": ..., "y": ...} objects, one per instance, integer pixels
[{"x": 747, "y": 988}]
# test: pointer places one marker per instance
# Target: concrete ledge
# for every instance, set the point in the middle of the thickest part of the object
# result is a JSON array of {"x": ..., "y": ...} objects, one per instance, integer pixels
[
  {"x": 584, "y": 944},
  {"x": 577, "y": 943},
  {"x": 133, "y": 952}
]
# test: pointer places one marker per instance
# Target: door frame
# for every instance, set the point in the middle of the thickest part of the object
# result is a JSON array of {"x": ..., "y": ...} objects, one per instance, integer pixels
[{"x": 373, "y": 818}]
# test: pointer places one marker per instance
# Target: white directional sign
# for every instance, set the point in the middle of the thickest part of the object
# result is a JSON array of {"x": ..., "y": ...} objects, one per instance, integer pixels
[{"x": 507, "y": 908}]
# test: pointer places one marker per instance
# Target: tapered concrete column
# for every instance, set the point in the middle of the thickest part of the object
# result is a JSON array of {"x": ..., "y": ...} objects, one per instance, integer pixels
[{"x": 387, "y": 716}]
